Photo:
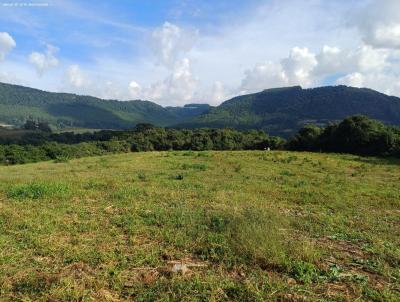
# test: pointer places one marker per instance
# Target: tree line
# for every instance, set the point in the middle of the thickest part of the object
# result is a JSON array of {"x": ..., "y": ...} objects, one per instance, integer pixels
[
  {"x": 41, "y": 145},
  {"x": 356, "y": 135}
]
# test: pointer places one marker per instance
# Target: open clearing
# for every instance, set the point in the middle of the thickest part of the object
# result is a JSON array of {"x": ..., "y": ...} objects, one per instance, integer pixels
[{"x": 201, "y": 226}]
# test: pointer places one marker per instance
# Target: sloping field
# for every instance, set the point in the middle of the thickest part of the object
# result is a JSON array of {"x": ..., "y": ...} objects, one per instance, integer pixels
[{"x": 201, "y": 226}]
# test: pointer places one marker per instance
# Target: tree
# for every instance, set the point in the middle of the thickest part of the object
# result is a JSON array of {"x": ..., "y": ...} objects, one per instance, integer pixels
[
  {"x": 306, "y": 139},
  {"x": 42, "y": 126},
  {"x": 143, "y": 127},
  {"x": 30, "y": 125}
]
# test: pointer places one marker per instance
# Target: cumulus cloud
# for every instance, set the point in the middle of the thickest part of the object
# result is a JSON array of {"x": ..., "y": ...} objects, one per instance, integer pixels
[
  {"x": 43, "y": 61},
  {"x": 170, "y": 41},
  {"x": 7, "y": 43},
  {"x": 296, "y": 69},
  {"x": 333, "y": 60},
  {"x": 218, "y": 93},
  {"x": 368, "y": 58},
  {"x": 307, "y": 69},
  {"x": 355, "y": 79},
  {"x": 76, "y": 78},
  {"x": 379, "y": 24},
  {"x": 8, "y": 77},
  {"x": 386, "y": 83},
  {"x": 299, "y": 65},
  {"x": 135, "y": 90},
  {"x": 264, "y": 75},
  {"x": 178, "y": 88}
]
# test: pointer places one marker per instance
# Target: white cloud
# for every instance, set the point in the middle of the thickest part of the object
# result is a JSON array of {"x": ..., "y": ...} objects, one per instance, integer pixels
[
  {"x": 355, "y": 79},
  {"x": 296, "y": 69},
  {"x": 304, "y": 68},
  {"x": 299, "y": 65},
  {"x": 170, "y": 41},
  {"x": 218, "y": 93},
  {"x": 383, "y": 82},
  {"x": 7, "y": 43},
  {"x": 9, "y": 77},
  {"x": 385, "y": 35},
  {"x": 44, "y": 61},
  {"x": 262, "y": 76},
  {"x": 178, "y": 88},
  {"x": 135, "y": 89},
  {"x": 370, "y": 59},
  {"x": 364, "y": 58},
  {"x": 76, "y": 78},
  {"x": 379, "y": 23},
  {"x": 333, "y": 60}
]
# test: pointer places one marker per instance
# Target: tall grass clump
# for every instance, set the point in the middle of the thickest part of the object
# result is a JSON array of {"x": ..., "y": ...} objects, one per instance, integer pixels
[
  {"x": 252, "y": 235},
  {"x": 37, "y": 190},
  {"x": 195, "y": 166},
  {"x": 259, "y": 237}
]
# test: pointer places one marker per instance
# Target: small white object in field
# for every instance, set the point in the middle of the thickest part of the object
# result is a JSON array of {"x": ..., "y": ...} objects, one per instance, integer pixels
[
  {"x": 180, "y": 268},
  {"x": 184, "y": 267}
]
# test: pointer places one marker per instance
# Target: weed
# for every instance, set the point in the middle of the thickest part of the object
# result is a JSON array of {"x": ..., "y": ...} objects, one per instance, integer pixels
[
  {"x": 142, "y": 176},
  {"x": 203, "y": 154},
  {"x": 196, "y": 166},
  {"x": 178, "y": 177},
  {"x": 304, "y": 272},
  {"x": 287, "y": 173},
  {"x": 237, "y": 168}
]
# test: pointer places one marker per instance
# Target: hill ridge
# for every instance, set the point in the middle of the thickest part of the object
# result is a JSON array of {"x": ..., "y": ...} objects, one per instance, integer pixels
[{"x": 278, "y": 111}]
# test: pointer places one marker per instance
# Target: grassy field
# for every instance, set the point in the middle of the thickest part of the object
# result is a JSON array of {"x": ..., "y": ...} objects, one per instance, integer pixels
[{"x": 201, "y": 226}]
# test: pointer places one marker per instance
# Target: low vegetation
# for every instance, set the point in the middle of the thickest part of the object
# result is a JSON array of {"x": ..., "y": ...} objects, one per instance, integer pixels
[
  {"x": 42, "y": 145},
  {"x": 356, "y": 135},
  {"x": 201, "y": 226}
]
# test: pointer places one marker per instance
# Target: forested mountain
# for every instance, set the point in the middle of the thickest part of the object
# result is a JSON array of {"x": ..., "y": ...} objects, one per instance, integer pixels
[
  {"x": 279, "y": 111},
  {"x": 18, "y": 103},
  {"x": 282, "y": 111}
]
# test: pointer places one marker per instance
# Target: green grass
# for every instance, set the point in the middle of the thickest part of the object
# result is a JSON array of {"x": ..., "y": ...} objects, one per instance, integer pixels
[{"x": 250, "y": 226}]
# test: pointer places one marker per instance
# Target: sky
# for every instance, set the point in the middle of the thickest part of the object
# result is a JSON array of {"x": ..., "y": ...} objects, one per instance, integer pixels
[{"x": 175, "y": 52}]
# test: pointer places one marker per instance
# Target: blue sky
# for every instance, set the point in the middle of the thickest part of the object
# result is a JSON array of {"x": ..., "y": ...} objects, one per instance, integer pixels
[{"x": 176, "y": 52}]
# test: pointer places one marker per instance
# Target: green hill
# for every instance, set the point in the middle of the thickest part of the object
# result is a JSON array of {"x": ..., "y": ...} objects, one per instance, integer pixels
[
  {"x": 279, "y": 111},
  {"x": 18, "y": 103},
  {"x": 282, "y": 111}
]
